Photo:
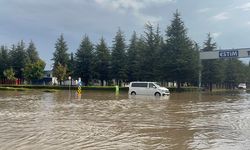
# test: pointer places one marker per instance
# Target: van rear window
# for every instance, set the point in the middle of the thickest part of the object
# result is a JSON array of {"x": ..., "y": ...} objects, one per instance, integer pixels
[{"x": 139, "y": 85}]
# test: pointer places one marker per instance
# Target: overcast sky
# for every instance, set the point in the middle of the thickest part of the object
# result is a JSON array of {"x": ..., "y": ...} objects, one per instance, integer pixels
[{"x": 44, "y": 20}]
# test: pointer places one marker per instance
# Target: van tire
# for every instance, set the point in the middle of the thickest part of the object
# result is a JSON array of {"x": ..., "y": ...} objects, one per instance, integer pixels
[
  {"x": 133, "y": 93},
  {"x": 157, "y": 94}
]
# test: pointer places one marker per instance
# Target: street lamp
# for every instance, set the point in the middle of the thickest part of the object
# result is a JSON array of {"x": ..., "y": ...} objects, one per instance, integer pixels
[{"x": 70, "y": 82}]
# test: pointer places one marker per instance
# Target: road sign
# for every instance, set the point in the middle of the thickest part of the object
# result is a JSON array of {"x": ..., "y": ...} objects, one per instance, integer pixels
[{"x": 229, "y": 53}]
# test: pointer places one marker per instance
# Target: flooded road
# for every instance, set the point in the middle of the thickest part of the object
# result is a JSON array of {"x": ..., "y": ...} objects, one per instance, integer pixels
[{"x": 101, "y": 120}]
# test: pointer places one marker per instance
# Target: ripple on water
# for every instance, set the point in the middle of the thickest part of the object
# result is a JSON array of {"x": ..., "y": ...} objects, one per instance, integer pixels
[{"x": 51, "y": 121}]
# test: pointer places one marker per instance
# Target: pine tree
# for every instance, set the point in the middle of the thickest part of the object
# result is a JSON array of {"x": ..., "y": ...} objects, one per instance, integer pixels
[
  {"x": 60, "y": 56},
  {"x": 18, "y": 59},
  {"x": 4, "y": 60},
  {"x": 102, "y": 61},
  {"x": 118, "y": 58},
  {"x": 235, "y": 72},
  {"x": 84, "y": 60},
  {"x": 212, "y": 70},
  {"x": 149, "y": 53},
  {"x": 72, "y": 66},
  {"x": 32, "y": 54},
  {"x": 180, "y": 52},
  {"x": 141, "y": 59},
  {"x": 133, "y": 59}
]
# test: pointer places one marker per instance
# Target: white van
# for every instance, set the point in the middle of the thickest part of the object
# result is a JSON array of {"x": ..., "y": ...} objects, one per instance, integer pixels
[
  {"x": 147, "y": 88},
  {"x": 242, "y": 86}
]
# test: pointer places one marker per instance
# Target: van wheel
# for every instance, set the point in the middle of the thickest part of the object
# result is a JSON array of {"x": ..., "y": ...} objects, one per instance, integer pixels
[
  {"x": 133, "y": 93},
  {"x": 157, "y": 94}
]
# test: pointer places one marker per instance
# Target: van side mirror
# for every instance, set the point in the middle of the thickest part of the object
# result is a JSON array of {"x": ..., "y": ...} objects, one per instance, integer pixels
[{"x": 154, "y": 87}]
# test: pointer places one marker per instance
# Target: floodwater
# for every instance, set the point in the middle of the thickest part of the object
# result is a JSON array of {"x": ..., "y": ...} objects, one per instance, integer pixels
[{"x": 102, "y": 120}]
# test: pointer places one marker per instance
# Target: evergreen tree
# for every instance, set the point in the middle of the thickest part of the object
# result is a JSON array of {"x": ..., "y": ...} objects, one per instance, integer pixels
[
  {"x": 235, "y": 72},
  {"x": 32, "y": 54},
  {"x": 60, "y": 56},
  {"x": 3, "y": 60},
  {"x": 18, "y": 59},
  {"x": 133, "y": 59},
  {"x": 84, "y": 60},
  {"x": 149, "y": 54},
  {"x": 71, "y": 66},
  {"x": 180, "y": 51},
  {"x": 158, "y": 46},
  {"x": 141, "y": 46},
  {"x": 34, "y": 68},
  {"x": 102, "y": 61},
  {"x": 118, "y": 58},
  {"x": 212, "y": 70}
]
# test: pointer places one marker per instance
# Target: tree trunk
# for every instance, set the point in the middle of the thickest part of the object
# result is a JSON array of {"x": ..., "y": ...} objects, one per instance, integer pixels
[
  {"x": 178, "y": 85},
  {"x": 210, "y": 86}
]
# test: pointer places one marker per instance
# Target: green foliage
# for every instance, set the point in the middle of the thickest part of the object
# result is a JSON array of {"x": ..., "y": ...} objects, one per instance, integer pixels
[
  {"x": 60, "y": 72},
  {"x": 150, "y": 53},
  {"x": 60, "y": 56},
  {"x": 180, "y": 50},
  {"x": 118, "y": 58},
  {"x": 235, "y": 72},
  {"x": 72, "y": 66},
  {"x": 9, "y": 74},
  {"x": 33, "y": 71},
  {"x": 212, "y": 70},
  {"x": 102, "y": 61},
  {"x": 4, "y": 60},
  {"x": 32, "y": 54},
  {"x": 133, "y": 59},
  {"x": 148, "y": 57},
  {"x": 18, "y": 58},
  {"x": 84, "y": 60}
]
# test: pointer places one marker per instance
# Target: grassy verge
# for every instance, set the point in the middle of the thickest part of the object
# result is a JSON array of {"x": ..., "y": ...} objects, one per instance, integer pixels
[
  {"x": 54, "y": 88},
  {"x": 184, "y": 89},
  {"x": 50, "y": 88}
]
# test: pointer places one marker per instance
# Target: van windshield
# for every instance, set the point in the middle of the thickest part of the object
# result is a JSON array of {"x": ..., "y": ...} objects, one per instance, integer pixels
[{"x": 156, "y": 84}]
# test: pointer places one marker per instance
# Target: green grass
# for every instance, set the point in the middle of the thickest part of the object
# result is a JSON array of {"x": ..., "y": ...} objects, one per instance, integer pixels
[{"x": 50, "y": 88}]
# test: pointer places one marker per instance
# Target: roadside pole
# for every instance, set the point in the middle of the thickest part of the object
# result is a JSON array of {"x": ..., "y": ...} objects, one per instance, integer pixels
[
  {"x": 200, "y": 68},
  {"x": 69, "y": 83},
  {"x": 116, "y": 90},
  {"x": 79, "y": 90}
]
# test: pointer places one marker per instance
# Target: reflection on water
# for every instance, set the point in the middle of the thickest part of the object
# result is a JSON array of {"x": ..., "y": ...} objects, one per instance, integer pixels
[
  {"x": 148, "y": 97},
  {"x": 103, "y": 120}
]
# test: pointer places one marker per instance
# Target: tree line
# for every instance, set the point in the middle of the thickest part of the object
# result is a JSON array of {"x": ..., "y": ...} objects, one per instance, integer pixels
[
  {"x": 19, "y": 62},
  {"x": 170, "y": 56}
]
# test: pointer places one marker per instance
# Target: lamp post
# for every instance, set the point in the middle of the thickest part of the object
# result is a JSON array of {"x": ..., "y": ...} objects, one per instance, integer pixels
[{"x": 69, "y": 83}]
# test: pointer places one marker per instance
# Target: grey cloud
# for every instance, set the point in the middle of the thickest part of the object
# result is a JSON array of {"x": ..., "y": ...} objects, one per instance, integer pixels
[{"x": 43, "y": 21}]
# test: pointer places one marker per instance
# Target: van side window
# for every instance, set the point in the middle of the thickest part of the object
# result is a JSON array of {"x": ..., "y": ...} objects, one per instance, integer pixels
[
  {"x": 139, "y": 85},
  {"x": 151, "y": 85}
]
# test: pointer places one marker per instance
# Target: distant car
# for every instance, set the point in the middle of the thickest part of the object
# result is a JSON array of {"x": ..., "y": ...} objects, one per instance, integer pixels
[
  {"x": 147, "y": 88},
  {"x": 242, "y": 86}
]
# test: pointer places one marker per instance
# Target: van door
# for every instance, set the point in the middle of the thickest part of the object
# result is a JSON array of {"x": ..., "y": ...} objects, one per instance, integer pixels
[
  {"x": 144, "y": 88},
  {"x": 140, "y": 88},
  {"x": 151, "y": 89}
]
